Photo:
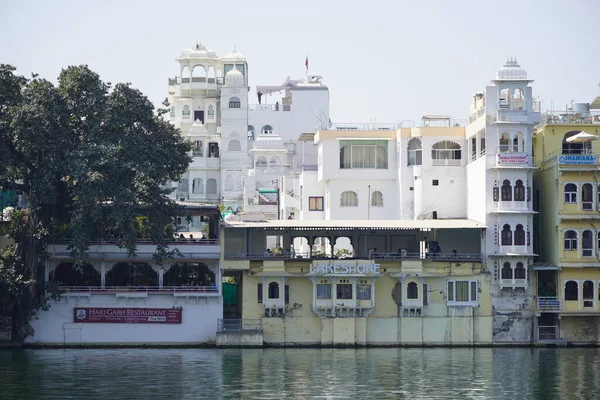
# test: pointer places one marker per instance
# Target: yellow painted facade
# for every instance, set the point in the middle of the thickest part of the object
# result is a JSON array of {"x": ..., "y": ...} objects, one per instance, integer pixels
[{"x": 567, "y": 193}]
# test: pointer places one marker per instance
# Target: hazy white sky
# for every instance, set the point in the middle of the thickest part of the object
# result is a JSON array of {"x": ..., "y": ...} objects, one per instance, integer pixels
[{"x": 382, "y": 60}]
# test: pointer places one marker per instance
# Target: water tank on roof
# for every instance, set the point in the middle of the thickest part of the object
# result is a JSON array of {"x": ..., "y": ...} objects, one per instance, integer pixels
[{"x": 581, "y": 108}]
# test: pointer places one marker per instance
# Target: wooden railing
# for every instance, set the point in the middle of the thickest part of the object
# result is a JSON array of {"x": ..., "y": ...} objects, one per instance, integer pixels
[
  {"x": 239, "y": 325},
  {"x": 139, "y": 289}
]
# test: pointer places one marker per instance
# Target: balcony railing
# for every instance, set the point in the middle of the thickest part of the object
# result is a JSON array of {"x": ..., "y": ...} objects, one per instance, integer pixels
[
  {"x": 548, "y": 333},
  {"x": 139, "y": 289},
  {"x": 451, "y": 257},
  {"x": 239, "y": 325},
  {"x": 513, "y": 282},
  {"x": 548, "y": 304},
  {"x": 115, "y": 242},
  {"x": 569, "y": 117},
  {"x": 445, "y": 162}
]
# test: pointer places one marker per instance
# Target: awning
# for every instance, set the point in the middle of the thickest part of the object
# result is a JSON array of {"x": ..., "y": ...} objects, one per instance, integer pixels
[{"x": 357, "y": 224}]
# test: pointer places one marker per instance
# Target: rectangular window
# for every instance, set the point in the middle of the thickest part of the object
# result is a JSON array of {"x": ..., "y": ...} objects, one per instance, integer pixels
[
  {"x": 462, "y": 293},
  {"x": 287, "y": 294},
  {"x": 368, "y": 154},
  {"x": 344, "y": 291},
  {"x": 315, "y": 204},
  {"x": 323, "y": 291},
  {"x": 363, "y": 291},
  {"x": 435, "y": 182},
  {"x": 260, "y": 294},
  {"x": 425, "y": 294}
]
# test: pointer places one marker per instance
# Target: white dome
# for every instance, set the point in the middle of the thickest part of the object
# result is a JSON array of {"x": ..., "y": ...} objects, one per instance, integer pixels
[
  {"x": 197, "y": 128},
  {"x": 199, "y": 51},
  {"x": 234, "y": 56},
  {"x": 234, "y": 78},
  {"x": 511, "y": 70}
]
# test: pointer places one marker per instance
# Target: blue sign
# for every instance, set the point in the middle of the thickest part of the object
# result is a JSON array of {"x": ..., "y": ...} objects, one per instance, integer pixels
[{"x": 580, "y": 159}]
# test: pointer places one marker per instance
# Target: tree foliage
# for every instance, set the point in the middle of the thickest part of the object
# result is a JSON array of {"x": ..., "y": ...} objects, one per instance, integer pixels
[{"x": 90, "y": 158}]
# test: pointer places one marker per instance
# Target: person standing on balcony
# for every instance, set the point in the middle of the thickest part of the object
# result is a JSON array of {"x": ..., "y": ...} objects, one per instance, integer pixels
[
  {"x": 277, "y": 106},
  {"x": 259, "y": 95}
]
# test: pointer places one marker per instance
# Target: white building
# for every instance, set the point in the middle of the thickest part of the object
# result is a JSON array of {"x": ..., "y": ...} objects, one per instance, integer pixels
[{"x": 499, "y": 180}]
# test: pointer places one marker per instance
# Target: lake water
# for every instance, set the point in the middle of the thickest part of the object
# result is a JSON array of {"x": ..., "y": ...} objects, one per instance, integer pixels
[{"x": 433, "y": 373}]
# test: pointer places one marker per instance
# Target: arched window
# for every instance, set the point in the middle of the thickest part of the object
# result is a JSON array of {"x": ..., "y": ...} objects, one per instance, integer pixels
[
  {"x": 197, "y": 186},
  {"x": 183, "y": 185},
  {"x": 274, "y": 164},
  {"x": 518, "y": 143},
  {"x": 173, "y": 112},
  {"x": 587, "y": 243},
  {"x": 507, "y": 272},
  {"x": 185, "y": 113},
  {"x": 412, "y": 291},
  {"x": 211, "y": 112},
  {"x": 519, "y": 191},
  {"x": 198, "y": 149},
  {"x": 349, "y": 199},
  {"x": 273, "y": 290},
  {"x": 520, "y": 271},
  {"x": 506, "y": 236},
  {"x": 211, "y": 186},
  {"x": 587, "y": 197},
  {"x": 505, "y": 143},
  {"x": 234, "y": 145},
  {"x": 588, "y": 293},
  {"x": 570, "y": 193},
  {"x": 267, "y": 130},
  {"x": 571, "y": 290},
  {"x": 234, "y": 102},
  {"x": 506, "y": 191},
  {"x": 229, "y": 183},
  {"x": 570, "y": 240},
  {"x": 415, "y": 152},
  {"x": 504, "y": 99},
  {"x": 519, "y": 236},
  {"x": 445, "y": 150},
  {"x": 575, "y": 148},
  {"x": 250, "y": 132},
  {"x": 198, "y": 73},
  {"x": 261, "y": 163},
  {"x": 376, "y": 199},
  {"x": 518, "y": 99},
  {"x": 185, "y": 74}
]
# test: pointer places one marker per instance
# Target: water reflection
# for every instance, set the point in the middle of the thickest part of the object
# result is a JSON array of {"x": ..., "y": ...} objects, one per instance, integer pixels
[{"x": 300, "y": 373}]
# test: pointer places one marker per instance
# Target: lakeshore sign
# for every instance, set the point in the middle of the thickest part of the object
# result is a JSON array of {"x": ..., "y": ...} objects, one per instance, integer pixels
[
  {"x": 578, "y": 159},
  {"x": 512, "y": 158},
  {"x": 344, "y": 268},
  {"x": 127, "y": 315}
]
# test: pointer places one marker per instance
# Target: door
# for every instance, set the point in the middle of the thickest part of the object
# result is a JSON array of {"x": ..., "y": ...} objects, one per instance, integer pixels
[{"x": 199, "y": 115}]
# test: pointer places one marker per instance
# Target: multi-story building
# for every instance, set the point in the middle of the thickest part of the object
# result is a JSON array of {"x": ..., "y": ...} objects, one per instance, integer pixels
[
  {"x": 498, "y": 191},
  {"x": 567, "y": 196}
]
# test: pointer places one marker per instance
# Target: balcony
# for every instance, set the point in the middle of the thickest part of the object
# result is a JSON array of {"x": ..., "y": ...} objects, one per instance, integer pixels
[
  {"x": 513, "y": 283},
  {"x": 569, "y": 117},
  {"x": 437, "y": 257},
  {"x": 514, "y": 249},
  {"x": 548, "y": 304},
  {"x": 446, "y": 162},
  {"x": 140, "y": 291},
  {"x": 269, "y": 107}
]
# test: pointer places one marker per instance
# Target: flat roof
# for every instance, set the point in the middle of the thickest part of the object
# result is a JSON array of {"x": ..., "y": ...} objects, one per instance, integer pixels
[{"x": 357, "y": 224}]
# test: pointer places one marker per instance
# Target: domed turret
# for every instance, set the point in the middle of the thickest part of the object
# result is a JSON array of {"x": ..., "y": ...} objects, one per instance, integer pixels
[
  {"x": 197, "y": 129},
  {"x": 234, "y": 56},
  {"x": 234, "y": 78},
  {"x": 198, "y": 52},
  {"x": 511, "y": 70}
]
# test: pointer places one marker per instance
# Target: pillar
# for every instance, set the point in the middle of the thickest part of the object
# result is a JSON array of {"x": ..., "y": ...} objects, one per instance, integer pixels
[
  {"x": 103, "y": 274},
  {"x": 161, "y": 275}
]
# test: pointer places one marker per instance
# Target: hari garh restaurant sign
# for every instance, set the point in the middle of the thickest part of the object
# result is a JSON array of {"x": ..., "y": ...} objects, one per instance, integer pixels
[
  {"x": 127, "y": 315},
  {"x": 344, "y": 268}
]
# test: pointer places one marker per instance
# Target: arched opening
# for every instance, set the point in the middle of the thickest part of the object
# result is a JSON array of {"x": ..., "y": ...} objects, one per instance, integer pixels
[
  {"x": 570, "y": 193},
  {"x": 506, "y": 191},
  {"x": 185, "y": 112},
  {"x": 197, "y": 186},
  {"x": 261, "y": 164},
  {"x": 234, "y": 102},
  {"x": 211, "y": 186},
  {"x": 519, "y": 235},
  {"x": 172, "y": 111},
  {"x": 587, "y": 197},
  {"x": 519, "y": 190},
  {"x": 228, "y": 183},
  {"x": 300, "y": 247},
  {"x": 507, "y": 272},
  {"x": 376, "y": 199},
  {"x": 505, "y": 143},
  {"x": 412, "y": 291},
  {"x": 275, "y": 164},
  {"x": 588, "y": 294},
  {"x": 213, "y": 150},
  {"x": 571, "y": 290},
  {"x": 518, "y": 143},
  {"x": 183, "y": 185},
  {"x": 575, "y": 148},
  {"x": 587, "y": 243},
  {"x": 211, "y": 74},
  {"x": 273, "y": 290},
  {"x": 446, "y": 150},
  {"x": 189, "y": 274},
  {"x": 349, "y": 199},
  {"x": 211, "y": 112},
  {"x": 66, "y": 274},
  {"x": 520, "y": 272},
  {"x": 570, "y": 240},
  {"x": 198, "y": 149},
  {"x": 506, "y": 236},
  {"x": 185, "y": 74},
  {"x": 518, "y": 99},
  {"x": 342, "y": 248},
  {"x": 198, "y": 74},
  {"x": 234, "y": 145},
  {"x": 504, "y": 99},
  {"x": 250, "y": 132},
  {"x": 267, "y": 130},
  {"x": 321, "y": 247},
  {"x": 131, "y": 274},
  {"x": 415, "y": 152}
]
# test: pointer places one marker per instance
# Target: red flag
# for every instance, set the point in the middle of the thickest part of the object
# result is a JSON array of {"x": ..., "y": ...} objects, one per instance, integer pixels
[{"x": 306, "y": 63}]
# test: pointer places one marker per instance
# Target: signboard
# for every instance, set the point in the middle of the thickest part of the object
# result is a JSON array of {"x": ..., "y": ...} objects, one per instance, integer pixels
[
  {"x": 577, "y": 159},
  {"x": 344, "y": 268},
  {"x": 127, "y": 315},
  {"x": 512, "y": 158}
]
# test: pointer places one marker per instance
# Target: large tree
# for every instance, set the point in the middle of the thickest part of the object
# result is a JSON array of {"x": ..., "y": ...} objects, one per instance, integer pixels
[{"x": 88, "y": 157}]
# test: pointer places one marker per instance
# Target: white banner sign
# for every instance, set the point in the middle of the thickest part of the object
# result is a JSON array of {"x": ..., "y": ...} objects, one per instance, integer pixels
[{"x": 344, "y": 269}]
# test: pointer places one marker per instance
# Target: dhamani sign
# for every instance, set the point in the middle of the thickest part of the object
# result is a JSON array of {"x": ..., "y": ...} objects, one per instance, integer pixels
[
  {"x": 512, "y": 158},
  {"x": 578, "y": 159},
  {"x": 127, "y": 315}
]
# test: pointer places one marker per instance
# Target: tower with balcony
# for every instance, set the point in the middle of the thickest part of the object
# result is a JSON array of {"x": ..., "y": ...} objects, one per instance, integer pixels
[{"x": 499, "y": 182}]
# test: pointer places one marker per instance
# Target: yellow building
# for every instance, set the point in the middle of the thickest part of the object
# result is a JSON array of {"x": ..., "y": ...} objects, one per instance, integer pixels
[
  {"x": 567, "y": 195},
  {"x": 395, "y": 287}
]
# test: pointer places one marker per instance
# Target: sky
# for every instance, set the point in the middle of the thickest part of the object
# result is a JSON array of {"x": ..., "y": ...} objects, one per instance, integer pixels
[{"x": 383, "y": 61}]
